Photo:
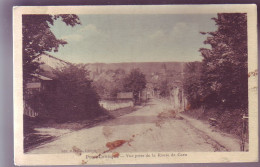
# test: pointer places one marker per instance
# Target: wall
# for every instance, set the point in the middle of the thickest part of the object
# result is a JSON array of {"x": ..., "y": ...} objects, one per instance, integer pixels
[
  {"x": 178, "y": 100},
  {"x": 115, "y": 105}
]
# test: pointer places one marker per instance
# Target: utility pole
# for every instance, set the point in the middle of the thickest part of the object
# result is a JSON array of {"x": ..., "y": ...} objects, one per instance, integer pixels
[{"x": 244, "y": 130}]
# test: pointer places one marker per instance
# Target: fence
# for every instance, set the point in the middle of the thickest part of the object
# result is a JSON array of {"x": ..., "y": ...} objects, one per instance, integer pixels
[
  {"x": 115, "y": 105},
  {"x": 28, "y": 111}
]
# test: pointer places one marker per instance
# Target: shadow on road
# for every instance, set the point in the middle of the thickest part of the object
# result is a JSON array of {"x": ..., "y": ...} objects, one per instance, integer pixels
[{"x": 130, "y": 120}]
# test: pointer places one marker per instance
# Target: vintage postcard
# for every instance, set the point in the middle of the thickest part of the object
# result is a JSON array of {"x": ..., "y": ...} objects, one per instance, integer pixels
[{"x": 135, "y": 84}]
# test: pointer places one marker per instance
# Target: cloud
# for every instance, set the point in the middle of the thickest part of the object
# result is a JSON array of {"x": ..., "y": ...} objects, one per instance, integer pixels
[
  {"x": 91, "y": 30},
  {"x": 179, "y": 28},
  {"x": 73, "y": 37},
  {"x": 89, "y": 27},
  {"x": 157, "y": 35},
  {"x": 179, "y": 31},
  {"x": 88, "y": 31},
  {"x": 184, "y": 30},
  {"x": 186, "y": 34}
]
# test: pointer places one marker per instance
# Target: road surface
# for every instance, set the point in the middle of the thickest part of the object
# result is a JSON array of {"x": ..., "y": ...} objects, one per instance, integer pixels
[{"x": 149, "y": 128}]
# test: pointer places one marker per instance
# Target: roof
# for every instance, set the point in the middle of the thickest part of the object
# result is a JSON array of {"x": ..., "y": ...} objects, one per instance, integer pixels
[
  {"x": 46, "y": 54},
  {"x": 125, "y": 95},
  {"x": 41, "y": 77}
]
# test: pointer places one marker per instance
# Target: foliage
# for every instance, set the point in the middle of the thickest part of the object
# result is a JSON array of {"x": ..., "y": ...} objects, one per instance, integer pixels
[
  {"x": 74, "y": 97},
  {"x": 38, "y": 38},
  {"x": 135, "y": 82},
  {"x": 101, "y": 86},
  {"x": 164, "y": 88},
  {"x": 117, "y": 80},
  {"x": 192, "y": 84},
  {"x": 110, "y": 83},
  {"x": 224, "y": 80}
]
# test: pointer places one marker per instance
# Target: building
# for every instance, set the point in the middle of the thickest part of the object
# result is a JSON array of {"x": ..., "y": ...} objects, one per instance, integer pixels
[
  {"x": 125, "y": 96},
  {"x": 39, "y": 83},
  {"x": 44, "y": 81}
]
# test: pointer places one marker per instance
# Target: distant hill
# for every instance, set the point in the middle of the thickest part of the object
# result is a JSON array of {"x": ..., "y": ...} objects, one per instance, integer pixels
[
  {"x": 108, "y": 77},
  {"x": 49, "y": 63},
  {"x": 145, "y": 67},
  {"x": 154, "y": 71}
]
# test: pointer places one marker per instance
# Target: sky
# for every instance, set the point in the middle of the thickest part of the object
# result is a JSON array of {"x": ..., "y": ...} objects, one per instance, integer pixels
[{"x": 134, "y": 38}]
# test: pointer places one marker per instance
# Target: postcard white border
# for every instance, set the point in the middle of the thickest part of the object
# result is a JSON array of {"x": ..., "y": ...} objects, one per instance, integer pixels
[{"x": 193, "y": 157}]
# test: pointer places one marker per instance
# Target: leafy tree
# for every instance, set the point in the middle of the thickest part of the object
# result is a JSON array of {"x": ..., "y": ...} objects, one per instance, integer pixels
[
  {"x": 192, "y": 84},
  {"x": 135, "y": 82},
  {"x": 118, "y": 79},
  {"x": 224, "y": 79},
  {"x": 74, "y": 97},
  {"x": 101, "y": 87},
  {"x": 109, "y": 83},
  {"x": 164, "y": 88},
  {"x": 38, "y": 38}
]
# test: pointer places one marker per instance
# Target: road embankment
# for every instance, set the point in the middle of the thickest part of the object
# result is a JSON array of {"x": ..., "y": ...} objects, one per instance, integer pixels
[{"x": 227, "y": 141}]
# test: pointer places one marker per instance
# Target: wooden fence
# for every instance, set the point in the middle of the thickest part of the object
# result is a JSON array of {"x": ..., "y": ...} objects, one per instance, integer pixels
[{"x": 28, "y": 111}]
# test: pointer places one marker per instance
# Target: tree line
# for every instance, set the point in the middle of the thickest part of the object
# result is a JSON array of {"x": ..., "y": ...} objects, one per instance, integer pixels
[{"x": 221, "y": 79}]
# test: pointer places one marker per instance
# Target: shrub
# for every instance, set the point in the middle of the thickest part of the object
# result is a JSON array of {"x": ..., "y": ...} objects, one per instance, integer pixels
[{"x": 74, "y": 97}]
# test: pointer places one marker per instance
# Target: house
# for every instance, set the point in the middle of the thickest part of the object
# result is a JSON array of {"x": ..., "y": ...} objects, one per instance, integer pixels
[
  {"x": 39, "y": 83},
  {"x": 50, "y": 61},
  {"x": 125, "y": 96},
  {"x": 35, "y": 85},
  {"x": 44, "y": 81}
]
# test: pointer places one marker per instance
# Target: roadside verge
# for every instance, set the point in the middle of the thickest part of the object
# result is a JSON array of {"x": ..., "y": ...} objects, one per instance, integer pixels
[{"x": 230, "y": 142}]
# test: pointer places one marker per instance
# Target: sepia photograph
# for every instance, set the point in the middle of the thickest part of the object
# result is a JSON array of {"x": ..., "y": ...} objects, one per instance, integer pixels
[{"x": 135, "y": 84}]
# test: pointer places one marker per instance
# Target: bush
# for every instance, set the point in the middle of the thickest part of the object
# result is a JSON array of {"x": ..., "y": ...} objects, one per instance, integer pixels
[
  {"x": 192, "y": 84},
  {"x": 74, "y": 97}
]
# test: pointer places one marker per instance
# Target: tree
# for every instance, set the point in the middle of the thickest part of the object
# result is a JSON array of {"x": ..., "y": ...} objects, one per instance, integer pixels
[
  {"x": 192, "y": 84},
  {"x": 135, "y": 82},
  {"x": 224, "y": 79},
  {"x": 38, "y": 38},
  {"x": 118, "y": 80},
  {"x": 109, "y": 83},
  {"x": 164, "y": 88},
  {"x": 74, "y": 97}
]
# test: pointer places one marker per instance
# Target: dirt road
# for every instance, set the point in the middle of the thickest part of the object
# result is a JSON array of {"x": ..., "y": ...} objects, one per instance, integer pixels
[{"x": 150, "y": 128}]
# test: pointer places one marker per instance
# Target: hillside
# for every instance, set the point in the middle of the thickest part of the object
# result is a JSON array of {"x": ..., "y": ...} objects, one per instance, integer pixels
[
  {"x": 49, "y": 63},
  {"x": 111, "y": 73},
  {"x": 109, "y": 78},
  {"x": 145, "y": 67}
]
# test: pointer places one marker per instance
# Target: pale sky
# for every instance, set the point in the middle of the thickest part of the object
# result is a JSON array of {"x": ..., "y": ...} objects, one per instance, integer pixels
[{"x": 134, "y": 38}]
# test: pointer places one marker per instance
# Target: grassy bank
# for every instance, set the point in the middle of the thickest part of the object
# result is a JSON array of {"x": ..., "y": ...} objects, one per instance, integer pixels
[{"x": 229, "y": 121}]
